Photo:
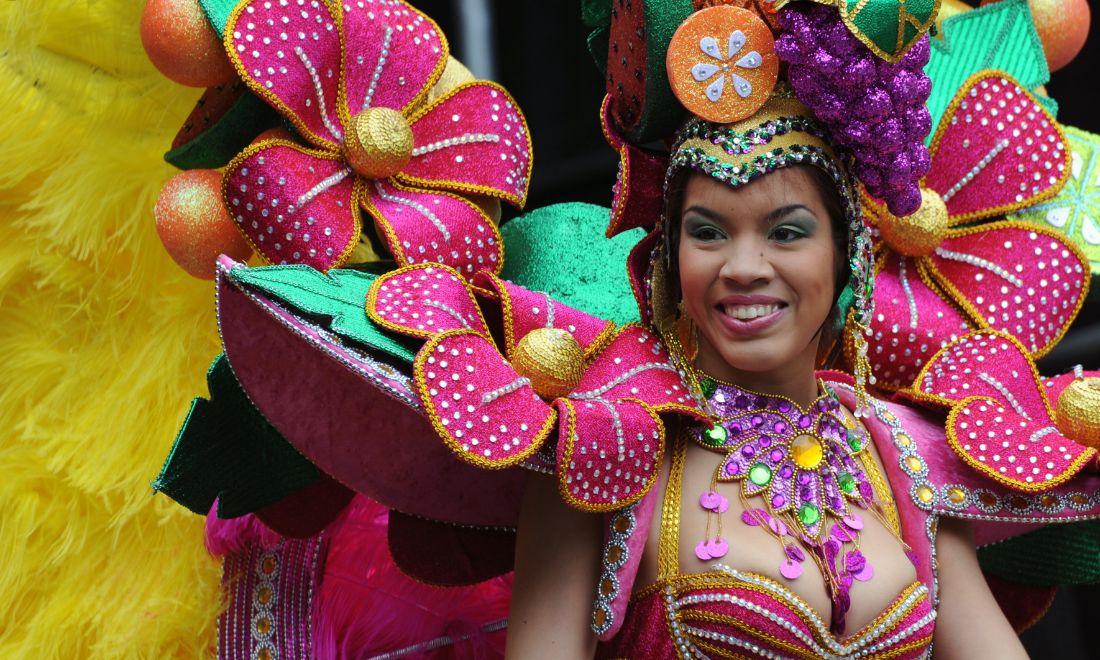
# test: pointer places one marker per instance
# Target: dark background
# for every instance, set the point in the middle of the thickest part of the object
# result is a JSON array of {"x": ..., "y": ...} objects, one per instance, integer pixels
[{"x": 537, "y": 50}]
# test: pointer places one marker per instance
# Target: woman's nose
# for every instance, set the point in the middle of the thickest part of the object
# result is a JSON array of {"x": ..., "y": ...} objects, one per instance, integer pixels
[{"x": 746, "y": 263}]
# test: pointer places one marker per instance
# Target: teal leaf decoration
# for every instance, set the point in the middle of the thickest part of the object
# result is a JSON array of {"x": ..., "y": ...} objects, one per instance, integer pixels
[
  {"x": 341, "y": 295},
  {"x": 217, "y": 12},
  {"x": 889, "y": 27},
  {"x": 227, "y": 450},
  {"x": 998, "y": 36}
]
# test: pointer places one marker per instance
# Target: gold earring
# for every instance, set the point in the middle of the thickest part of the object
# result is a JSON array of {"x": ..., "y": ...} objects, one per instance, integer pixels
[{"x": 687, "y": 333}]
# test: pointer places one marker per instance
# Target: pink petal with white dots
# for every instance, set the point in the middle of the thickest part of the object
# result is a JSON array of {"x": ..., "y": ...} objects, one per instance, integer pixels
[
  {"x": 911, "y": 322},
  {"x": 478, "y": 404},
  {"x": 422, "y": 225},
  {"x": 634, "y": 366},
  {"x": 525, "y": 310},
  {"x": 1018, "y": 279},
  {"x": 393, "y": 54},
  {"x": 988, "y": 365},
  {"x": 608, "y": 453},
  {"x": 290, "y": 56},
  {"x": 999, "y": 151},
  {"x": 1024, "y": 454},
  {"x": 424, "y": 300},
  {"x": 473, "y": 139},
  {"x": 295, "y": 205}
]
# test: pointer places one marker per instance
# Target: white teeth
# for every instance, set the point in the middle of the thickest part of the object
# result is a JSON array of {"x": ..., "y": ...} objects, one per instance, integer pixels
[{"x": 749, "y": 312}]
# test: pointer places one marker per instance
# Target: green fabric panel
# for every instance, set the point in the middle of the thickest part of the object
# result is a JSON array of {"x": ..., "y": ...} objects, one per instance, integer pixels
[
  {"x": 596, "y": 13},
  {"x": 227, "y": 450},
  {"x": 1075, "y": 211},
  {"x": 217, "y": 145},
  {"x": 998, "y": 36},
  {"x": 341, "y": 295},
  {"x": 561, "y": 250},
  {"x": 1053, "y": 555},
  {"x": 662, "y": 114},
  {"x": 217, "y": 12},
  {"x": 598, "y": 41}
]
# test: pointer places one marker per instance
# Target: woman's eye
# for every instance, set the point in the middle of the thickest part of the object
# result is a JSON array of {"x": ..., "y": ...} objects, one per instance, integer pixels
[
  {"x": 787, "y": 234},
  {"x": 706, "y": 233}
]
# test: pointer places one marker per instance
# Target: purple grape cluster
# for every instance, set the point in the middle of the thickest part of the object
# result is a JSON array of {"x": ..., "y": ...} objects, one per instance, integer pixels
[{"x": 874, "y": 110}]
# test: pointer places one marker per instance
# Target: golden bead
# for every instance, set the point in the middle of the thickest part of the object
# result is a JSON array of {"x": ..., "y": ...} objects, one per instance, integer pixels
[
  {"x": 918, "y": 234},
  {"x": 806, "y": 452},
  {"x": 956, "y": 495},
  {"x": 378, "y": 143},
  {"x": 925, "y": 494},
  {"x": 1078, "y": 411},
  {"x": 614, "y": 554},
  {"x": 551, "y": 359},
  {"x": 904, "y": 440},
  {"x": 914, "y": 464}
]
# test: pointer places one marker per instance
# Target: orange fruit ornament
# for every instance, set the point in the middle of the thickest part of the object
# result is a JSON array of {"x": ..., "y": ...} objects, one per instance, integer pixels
[
  {"x": 722, "y": 64},
  {"x": 195, "y": 226}
]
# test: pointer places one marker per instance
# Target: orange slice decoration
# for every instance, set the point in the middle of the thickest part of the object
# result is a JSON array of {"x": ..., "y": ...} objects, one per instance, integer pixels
[{"x": 722, "y": 64}]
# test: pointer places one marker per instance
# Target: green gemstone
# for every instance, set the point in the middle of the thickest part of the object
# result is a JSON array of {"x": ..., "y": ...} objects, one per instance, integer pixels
[
  {"x": 847, "y": 482},
  {"x": 715, "y": 437},
  {"x": 809, "y": 514},
  {"x": 854, "y": 441},
  {"x": 760, "y": 474},
  {"x": 708, "y": 385}
]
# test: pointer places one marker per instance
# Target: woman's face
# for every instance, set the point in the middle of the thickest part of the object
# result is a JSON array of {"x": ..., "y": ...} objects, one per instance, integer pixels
[{"x": 757, "y": 272}]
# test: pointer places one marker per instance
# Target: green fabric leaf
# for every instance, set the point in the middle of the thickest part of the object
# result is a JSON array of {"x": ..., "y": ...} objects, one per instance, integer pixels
[
  {"x": 998, "y": 36},
  {"x": 217, "y": 145},
  {"x": 888, "y": 27},
  {"x": 340, "y": 295},
  {"x": 217, "y": 12},
  {"x": 596, "y": 13},
  {"x": 227, "y": 451},
  {"x": 561, "y": 250},
  {"x": 1067, "y": 553},
  {"x": 1075, "y": 212}
]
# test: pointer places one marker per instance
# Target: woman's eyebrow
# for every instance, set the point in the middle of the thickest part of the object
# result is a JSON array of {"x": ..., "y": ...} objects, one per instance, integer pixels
[
  {"x": 708, "y": 213},
  {"x": 783, "y": 211}
]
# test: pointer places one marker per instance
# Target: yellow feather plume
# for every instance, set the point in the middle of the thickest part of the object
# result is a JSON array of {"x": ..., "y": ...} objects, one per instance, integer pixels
[{"x": 103, "y": 342}]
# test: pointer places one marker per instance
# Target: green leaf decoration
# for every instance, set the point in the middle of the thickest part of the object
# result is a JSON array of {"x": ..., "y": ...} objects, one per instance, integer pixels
[
  {"x": 565, "y": 254},
  {"x": 998, "y": 36},
  {"x": 1075, "y": 211},
  {"x": 217, "y": 12},
  {"x": 227, "y": 451},
  {"x": 341, "y": 295},
  {"x": 227, "y": 136},
  {"x": 1067, "y": 553},
  {"x": 888, "y": 27}
]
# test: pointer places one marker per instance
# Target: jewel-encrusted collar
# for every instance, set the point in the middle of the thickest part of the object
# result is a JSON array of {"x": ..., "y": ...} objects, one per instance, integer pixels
[{"x": 804, "y": 462}]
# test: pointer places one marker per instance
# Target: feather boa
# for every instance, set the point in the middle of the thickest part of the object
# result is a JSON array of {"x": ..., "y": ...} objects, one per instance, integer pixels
[{"x": 104, "y": 341}]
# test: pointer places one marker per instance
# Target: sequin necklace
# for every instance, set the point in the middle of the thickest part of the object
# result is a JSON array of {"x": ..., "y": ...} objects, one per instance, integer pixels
[{"x": 810, "y": 469}]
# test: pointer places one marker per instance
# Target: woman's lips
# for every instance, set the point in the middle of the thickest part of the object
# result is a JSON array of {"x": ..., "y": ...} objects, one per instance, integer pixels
[{"x": 749, "y": 319}]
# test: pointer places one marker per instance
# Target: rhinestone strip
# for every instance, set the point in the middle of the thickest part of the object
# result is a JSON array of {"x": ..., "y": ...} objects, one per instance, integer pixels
[{"x": 609, "y": 569}]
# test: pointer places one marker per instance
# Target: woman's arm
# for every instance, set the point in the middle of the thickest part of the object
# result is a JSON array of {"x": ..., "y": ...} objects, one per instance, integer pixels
[
  {"x": 969, "y": 623},
  {"x": 557, "y": 566}
]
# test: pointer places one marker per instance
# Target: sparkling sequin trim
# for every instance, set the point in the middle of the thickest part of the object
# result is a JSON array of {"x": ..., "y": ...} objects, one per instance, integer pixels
[{"x": 620, "y": 526}]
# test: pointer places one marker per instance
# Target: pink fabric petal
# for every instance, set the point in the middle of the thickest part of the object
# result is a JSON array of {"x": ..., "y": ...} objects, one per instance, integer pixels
[
  {"x": 290, "y": 57},
  {"x": 638, "y": 193},
  {"x": 424, "y": 300},
  {"x": 477, "y": 403},
  {"x": 524, "y": 310},
  {"x": 394, "y": 54},
  {"x": 608, "y": 453},
  {"x": 997, "y": 150},
  {"x": 987, "y": 365},
  {"x": 635, "y": 366},
  {"x": 294, "y": 205},
  {"x": 1024, "y": 454},
  {"x": 421, "y": 225},
  {"x": 1016, "y": 278},
  {"x": 473, "y": 139},
  {"x": 910, "y": 323}
]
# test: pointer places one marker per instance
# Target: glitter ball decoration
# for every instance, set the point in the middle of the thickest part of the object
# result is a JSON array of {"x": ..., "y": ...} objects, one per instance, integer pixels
[
  {"x": 721, "y": 63},
  {"x": 551, "y": 359},
  {"x": 182, "y": 44},
  {"x": 194, "y": 225},
  {"x": 379, "y": 143},
  {"x": 920, "y": 233},
  {"x": 1078, "y": 411},
  {"x": 1063, "y": 26}
]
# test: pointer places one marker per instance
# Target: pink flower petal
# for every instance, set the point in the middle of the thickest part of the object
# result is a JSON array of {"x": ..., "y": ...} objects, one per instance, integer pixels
[
  {"x": 989, "y": 365},
  {"x": 608, "y": 453},
  {"x": 479, "y": 406},
  {"x": 908, "y": 328},
  {"x": 635, "y": 366},
  {"x": 995, "y": 120},
  {"x": 422, "y": 225},
  {"x": 295, "y": 205},
  {"x": 473, "y": 139},
  {"x": 392, "y": 39},
  {"x": 1016, "y": 278},
  {"x": 290, "y": 57},
  {"x": 424, "y": 300},
  {"x": 524, "y": 310}
]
